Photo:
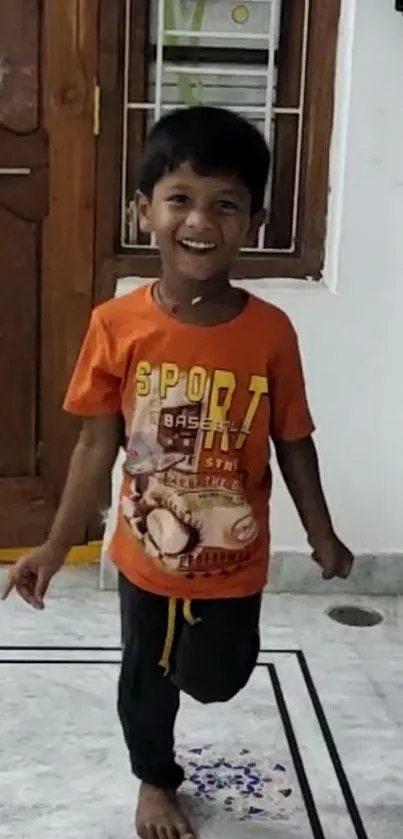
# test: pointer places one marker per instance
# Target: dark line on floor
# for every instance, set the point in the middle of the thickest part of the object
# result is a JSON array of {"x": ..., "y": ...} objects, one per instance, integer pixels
[
  {"x": 279, "y": 652},
  {"x": 66, "y": 661},
  {"x": 101, "y": 649},
  {"x": 62, "y": 648},
  {"x": 51, "y": 661},
  {"x": 327, "y": 735},
  {"x": 309, "y": 801}
]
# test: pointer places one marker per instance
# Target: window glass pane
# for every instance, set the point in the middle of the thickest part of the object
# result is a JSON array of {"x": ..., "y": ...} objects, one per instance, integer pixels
[
  {"x": 187, "y": 21},
  {"x": 218, "y": 52}
]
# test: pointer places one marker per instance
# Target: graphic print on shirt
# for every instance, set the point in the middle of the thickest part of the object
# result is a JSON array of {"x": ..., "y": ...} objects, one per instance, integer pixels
[{"x": 183, "y": 495}]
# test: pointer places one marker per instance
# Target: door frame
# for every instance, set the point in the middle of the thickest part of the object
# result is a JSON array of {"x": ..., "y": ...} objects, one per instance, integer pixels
[{"x": 112, "y": 17}]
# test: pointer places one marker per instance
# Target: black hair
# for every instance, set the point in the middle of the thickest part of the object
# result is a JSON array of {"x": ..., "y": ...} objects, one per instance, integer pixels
[{"x": 213, "y": 141}]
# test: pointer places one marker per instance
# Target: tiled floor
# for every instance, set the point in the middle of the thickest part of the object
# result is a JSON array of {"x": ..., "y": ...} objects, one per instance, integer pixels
[{"x": 63, "y": 768}]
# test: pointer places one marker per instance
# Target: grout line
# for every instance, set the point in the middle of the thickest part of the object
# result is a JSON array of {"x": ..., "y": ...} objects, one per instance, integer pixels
[
  {"x": 307, "y": 795},
  {"x": 327, "y": 735}
]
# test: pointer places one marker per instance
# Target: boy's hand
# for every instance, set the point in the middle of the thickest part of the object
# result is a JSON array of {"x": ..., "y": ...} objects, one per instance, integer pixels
[
  {"x": 31, "y": 575},
  {"x": 335, "y": 559}
]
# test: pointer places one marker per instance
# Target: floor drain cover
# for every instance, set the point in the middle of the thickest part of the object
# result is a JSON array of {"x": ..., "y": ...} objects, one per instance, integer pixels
[{"x": 355, "y": 616}]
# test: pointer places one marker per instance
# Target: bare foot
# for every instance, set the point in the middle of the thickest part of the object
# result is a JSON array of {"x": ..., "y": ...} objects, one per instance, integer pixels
[{"x": 159, "y": 815}]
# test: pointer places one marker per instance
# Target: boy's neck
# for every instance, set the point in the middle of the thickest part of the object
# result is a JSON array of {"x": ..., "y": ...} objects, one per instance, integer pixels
[{"x": 203, "y": 303}]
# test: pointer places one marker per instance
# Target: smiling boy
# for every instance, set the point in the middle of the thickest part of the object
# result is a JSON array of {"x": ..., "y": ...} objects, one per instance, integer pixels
[{"x": 204, "y": 375}]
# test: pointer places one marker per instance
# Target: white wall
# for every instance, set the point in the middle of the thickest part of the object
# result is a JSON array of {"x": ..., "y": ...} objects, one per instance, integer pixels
[{"x": 352, "y": 340}]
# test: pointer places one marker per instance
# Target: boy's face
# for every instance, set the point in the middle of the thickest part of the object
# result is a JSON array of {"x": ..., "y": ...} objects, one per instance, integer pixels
[{"x": 200, "y": 223}]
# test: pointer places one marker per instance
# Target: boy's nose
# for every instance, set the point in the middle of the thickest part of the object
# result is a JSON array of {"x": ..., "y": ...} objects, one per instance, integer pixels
[{"x": 199, "y": 219}]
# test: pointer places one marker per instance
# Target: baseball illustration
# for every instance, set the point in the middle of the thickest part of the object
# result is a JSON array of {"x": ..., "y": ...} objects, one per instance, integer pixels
[{"x": 169, "y": 535}]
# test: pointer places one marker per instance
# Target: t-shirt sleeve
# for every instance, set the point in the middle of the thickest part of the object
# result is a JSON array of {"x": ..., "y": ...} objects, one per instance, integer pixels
[
  {"x": 94, "y": 387},
  {"x": 291, "y": 418}
]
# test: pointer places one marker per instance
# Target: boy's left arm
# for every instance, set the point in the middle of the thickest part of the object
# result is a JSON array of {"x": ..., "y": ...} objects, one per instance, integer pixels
[
  {"x": 298, "y": 463},
  {"x": 291, "y": 430}
]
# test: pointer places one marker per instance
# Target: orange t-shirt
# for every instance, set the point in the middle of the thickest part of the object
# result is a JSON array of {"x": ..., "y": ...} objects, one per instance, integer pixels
[{"x": 199, "y": 405}]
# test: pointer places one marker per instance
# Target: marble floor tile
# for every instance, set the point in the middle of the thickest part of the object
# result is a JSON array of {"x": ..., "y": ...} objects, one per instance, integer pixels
[
  {"x": 74, "y": 615},
  {"x": 63, "y": 766}
]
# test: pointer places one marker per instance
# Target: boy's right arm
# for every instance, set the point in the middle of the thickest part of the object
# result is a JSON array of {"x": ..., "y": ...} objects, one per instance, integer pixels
[{"x": 91, "y": 462}]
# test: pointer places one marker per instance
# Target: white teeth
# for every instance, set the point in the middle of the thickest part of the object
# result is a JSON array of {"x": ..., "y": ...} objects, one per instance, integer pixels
[{"x": 198, "y": 246}]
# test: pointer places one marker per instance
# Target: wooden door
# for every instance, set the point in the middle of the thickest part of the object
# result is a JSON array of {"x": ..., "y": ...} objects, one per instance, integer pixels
[{"x": 47, "y": 77}]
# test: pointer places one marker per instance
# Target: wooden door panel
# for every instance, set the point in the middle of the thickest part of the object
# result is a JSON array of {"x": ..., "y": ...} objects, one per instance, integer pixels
[
  {"x": 19, "y": 344},
  {"x": 20, "y": 64},
  {"x": 48, "y": 71},
  {"x": 24, "y": 185},
  {"x": 24, "y": 512},
  {"x": 24, "y": 172}
]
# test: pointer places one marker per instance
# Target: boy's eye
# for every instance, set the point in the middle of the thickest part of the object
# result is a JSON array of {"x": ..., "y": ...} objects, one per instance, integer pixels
[
  {"x": 228, "y": 206},
  {"x": 178, "y": 198}
]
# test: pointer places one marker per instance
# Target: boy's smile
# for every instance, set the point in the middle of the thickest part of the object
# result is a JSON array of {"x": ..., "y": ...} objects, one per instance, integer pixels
[{"x": 200, "y": 222}]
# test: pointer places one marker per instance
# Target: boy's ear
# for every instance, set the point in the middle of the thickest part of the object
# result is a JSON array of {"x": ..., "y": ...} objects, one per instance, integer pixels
[{"x": 144, "y": 213}]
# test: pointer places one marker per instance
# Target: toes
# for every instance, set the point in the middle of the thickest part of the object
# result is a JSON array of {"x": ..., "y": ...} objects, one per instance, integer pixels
[{"x": 143, "y": 831}]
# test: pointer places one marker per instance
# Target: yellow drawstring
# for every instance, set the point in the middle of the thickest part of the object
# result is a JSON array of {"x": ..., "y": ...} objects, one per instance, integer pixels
[
  {"x": 187, "y": 613},
  {"x": 170, "y": 636}
]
